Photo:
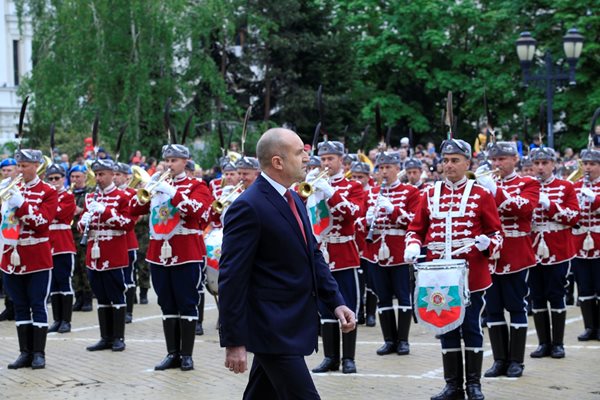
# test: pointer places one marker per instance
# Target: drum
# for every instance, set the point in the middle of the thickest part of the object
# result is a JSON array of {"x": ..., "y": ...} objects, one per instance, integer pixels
[
  {"x": 441, "y": 294},
  {"x": 213, "y": 240}
]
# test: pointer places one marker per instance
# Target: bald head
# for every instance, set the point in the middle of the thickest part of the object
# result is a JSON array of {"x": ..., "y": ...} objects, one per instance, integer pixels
[
  {"x": 274, "y": 142},
  {"x": 281, "y": 155}
]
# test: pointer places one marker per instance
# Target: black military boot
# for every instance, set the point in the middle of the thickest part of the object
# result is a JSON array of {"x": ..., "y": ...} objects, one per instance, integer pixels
[
  {"x": 9, "y": 311},
  {"x": 597, "y": 319},
  {"x": 67, "y": 313},
  {"x": 56, "y": 301},
  {"x": 453, "y": 375},
  {"x": 518, "y": 338},
  {"x": 588, "y": 312},
  {"x": 86, "y": 302},
  {"x": 143, "y": 295},
  {"x": 348, "y": 352},
  {"x": 404, "y": 320},
  {"x": 199, "y": 328},
  {"x": 570, "y": 295},
  {"x": 173, "y": 341},
  {"x": 499, "y": 342},
  {"x": 39, "y": 347},
  {"x": 105, "y": 320},
  {"x": 119, "y": 328},
  {"x": 78, "y": 301},
  {"x": 330, "y": 333},
  {"x": 542, "y": 327},
  {"x": 129, "y": 297},
  {"x": 371, "y": 309},
  {"x": 558, "y": 333},
  {"x": 25, "y": 335},
  {"x": 473, "y": 362},
  {"x": 387, "y": 320},
  {"x": 188, "y": 336}
]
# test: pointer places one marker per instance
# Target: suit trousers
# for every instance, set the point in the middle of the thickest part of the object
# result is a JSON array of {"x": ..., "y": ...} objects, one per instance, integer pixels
[{"x": 282, "y": 377}]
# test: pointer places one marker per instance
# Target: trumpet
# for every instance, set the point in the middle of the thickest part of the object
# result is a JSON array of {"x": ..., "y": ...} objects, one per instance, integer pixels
[
  {"x": 371, "y": 232},
  {"x": 145, "y": 194},
  {"x": 219, "y": 204},
  {"x": 5, "y": 192},
  {"x": 473, "y": 175},
  {"x": 305, "y": 189}
]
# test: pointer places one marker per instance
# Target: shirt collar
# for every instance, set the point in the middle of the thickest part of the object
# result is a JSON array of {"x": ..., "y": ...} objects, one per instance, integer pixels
[
  {"x": 108, "y": 189},
  {"x": 33, "y": 182},
  {"x": 180, "y": 177},
  {"x": 278, "y": 186},
  {"x": 337, "y": 177},
  {"x": 456, "y": 185},
  {"x": 510, "y": 176}
]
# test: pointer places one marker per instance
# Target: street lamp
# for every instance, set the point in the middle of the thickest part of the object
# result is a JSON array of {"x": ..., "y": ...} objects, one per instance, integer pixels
[{"x": 551, "y": 76}]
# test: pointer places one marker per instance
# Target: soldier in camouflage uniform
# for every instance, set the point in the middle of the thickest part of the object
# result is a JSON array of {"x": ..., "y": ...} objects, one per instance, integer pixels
[{"x": 81, "y": 285}]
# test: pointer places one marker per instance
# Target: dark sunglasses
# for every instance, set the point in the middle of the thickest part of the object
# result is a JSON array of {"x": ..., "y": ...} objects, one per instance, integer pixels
[{"x": 53, "y": 178}]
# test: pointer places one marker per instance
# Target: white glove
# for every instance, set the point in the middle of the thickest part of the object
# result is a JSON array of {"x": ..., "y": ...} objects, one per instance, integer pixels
[
  {"x": 588, "y": 193},
  {"x": 324, "y": 187},
  {"x": 155, "y": 176},
  {"x": 370, "y": 215},
  {"x": 482, "y": 242},
  {"x": 16, "y": 199},
  {"x": 411, "y": 252},
  {"x": 4, "y": 183},
  {"x": 312, "y": 174},
  {"x": 95, "y": 207},
  {"x": 165, "y": 188},
  {"x": 544, "y": 201},
  {"x": 487, "y": 181},
  {"x": 86, "y": 218},
  {"x": 386, "y": 204}
]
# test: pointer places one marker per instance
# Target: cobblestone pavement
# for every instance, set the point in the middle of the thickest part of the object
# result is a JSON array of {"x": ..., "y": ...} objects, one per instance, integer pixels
[{"x": 72, "y": 372}]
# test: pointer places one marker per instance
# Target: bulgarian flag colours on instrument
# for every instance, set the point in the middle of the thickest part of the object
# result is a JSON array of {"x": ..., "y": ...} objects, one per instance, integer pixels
[
  {"x": 440, "y": 297},
  {"x": 319, "y": 215}
]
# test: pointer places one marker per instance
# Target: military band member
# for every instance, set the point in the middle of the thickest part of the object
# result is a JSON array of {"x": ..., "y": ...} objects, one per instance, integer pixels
[
  {"x": 368, "y": 300},
  {"x": 27, "y": 258},
  {"x": 81, "y": 283},
  {"x": 176, "y": 252},
  {"x": 587, "y": 244},
  {"x": 8, "y": 167},
  {"x": 344, "y": 199},
  {"x": 516, "y": 197},
  {"x": 122, "y": 178},
  {"x": 314, "y": 161},
  {"x": 347, "y": 161},
  {"x": 391, "y": 208},
  {"x": 106, "y": 220},
  {"x": 527, "y": 167},
  {"x": 553, "y": 243},
  {"x": 63, "y": 252},
  {"x": 455, "y": 213},
  {"x": 414, "y": 173},
  {"x": 248, "y": 170}
]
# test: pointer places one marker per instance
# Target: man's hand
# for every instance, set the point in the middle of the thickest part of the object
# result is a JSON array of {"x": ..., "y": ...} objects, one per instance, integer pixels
[
  {"x": 346, "y": 317},
  {"x": 236, "y": 359}
]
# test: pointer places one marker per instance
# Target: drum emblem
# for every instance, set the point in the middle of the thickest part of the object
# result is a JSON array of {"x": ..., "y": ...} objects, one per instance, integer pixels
[{"x": 438, "y": 299}]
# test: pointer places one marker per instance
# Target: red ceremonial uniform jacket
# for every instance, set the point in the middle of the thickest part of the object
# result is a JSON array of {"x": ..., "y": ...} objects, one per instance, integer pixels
[
  {"x": 589, "y": 221},
  {"x": 360, "y": 235},
  {"x": 551, "y": 229},
  {"x": 108, "y": 230},
  {"x": 132, "y": 242},
  {"x": 390, "y": 228},
  {"x": 345, "y": 206},
  {"x": 471, "y": 214},
  {"x": 214, "y": 218},
  {"x": 215, "y": 187},
  {"x": 516, "y": 198},
  {"x": 192, "y": 200},
  {"x": 34, "y": 215},
  {"x": 61, "y": 235}
]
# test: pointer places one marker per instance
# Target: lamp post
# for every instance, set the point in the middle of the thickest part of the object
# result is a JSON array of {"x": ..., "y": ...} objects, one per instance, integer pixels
[{"x": 551, "y": 76}]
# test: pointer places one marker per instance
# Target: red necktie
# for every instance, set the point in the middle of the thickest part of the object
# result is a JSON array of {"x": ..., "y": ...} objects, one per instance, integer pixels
[{"x": 292, "y": 204}]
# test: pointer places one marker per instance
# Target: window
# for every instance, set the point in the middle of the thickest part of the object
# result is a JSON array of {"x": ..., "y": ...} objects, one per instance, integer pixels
[{"x": 16, "y": 61}]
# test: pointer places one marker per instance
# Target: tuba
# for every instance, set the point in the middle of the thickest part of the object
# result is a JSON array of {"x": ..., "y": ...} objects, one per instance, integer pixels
[
  {"x": 139, "y": 176},
  {"x": 577, "y": 174}
]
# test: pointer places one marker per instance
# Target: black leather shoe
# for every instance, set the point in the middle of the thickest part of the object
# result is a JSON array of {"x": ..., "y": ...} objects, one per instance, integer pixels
[
  {"x": 7, "y": 315},
  {"x": 39, "y": 361},
  {"x": 328, "y": 364},
  {"x": 588, "y": 334},
  {"x": 403, "y": 348},
  {"x": 497, "y": 369},
  {"x": 24, "y": 360},
  {"x": 387, "y": 348},
  {"x": 128, "y": 318},
  {"x": 65, "y": 327},
  {"x": 172, "y": 360},
  {"x": 371, "y": 321},
  {"x": 118, "y": 345},
  {"x": 348, "y": 366},
  {"x": 199, "y": 329},
  {"x": 514, "y": 370},
  {"x": 557, "y": 351},
  {"x": 103, "y": 344},
  {"x": 361, "y": 319},
  {"x": 474, "y": 391},
  {"x": 187, "y": 364},
  {"x": 54, "y": 327},
  {"x": 543, "y": 350}
]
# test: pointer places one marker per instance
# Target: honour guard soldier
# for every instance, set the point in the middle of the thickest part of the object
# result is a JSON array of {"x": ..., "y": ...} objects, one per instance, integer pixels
[
  {"x": 8, "y": 167},
  {"x": 414, "y": 171},
  {"x": 122, "y": 177},
  {"x": 104, "y": 223},
  {"x": 587, "y": 243},
  {"x": 527, "y": 167},
  {"x": 458, "y": 218},
  {"x": 248, "y": 170},
  {"x": 313, "y": 162},
  {"x": 344, "y": 199},
  {"x": 81, "y": 283},
  {"x": 176, "y": 251},
  {"x": 63, "y": 252},
  {"x": 391, "y": 208},
  {"x": 27, "y": 258},
  {"x": 516, "y": 197},
  {"x": 553, "y": 243}
]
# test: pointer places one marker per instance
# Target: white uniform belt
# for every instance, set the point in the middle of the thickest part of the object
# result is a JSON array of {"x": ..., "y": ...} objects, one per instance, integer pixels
[
  {"x": 59, "y": 227},
  {"x": 440, "y": 246},
  {"x": 585, "y": 229},
  {"x": 181, "y": 231},
  {"x": 389, "y": 232},
  {"x": 31, "y": 241},
  {"x": 104, "y": 234},
  {"x": 337, "y": 239},
  {"x": 515, "y": 234},
  {"x": 548, "y": 227}
]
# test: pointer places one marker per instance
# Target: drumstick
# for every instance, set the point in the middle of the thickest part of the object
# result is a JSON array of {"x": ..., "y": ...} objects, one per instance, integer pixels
[{"x": 455, "y": 252}]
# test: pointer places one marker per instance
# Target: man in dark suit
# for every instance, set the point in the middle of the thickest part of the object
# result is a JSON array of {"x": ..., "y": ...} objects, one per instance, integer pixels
[{"x": 271, "y": 276}]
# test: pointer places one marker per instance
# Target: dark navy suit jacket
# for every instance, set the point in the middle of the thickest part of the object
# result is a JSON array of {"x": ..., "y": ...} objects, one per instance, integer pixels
[{"x": 270, "y": 280}]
